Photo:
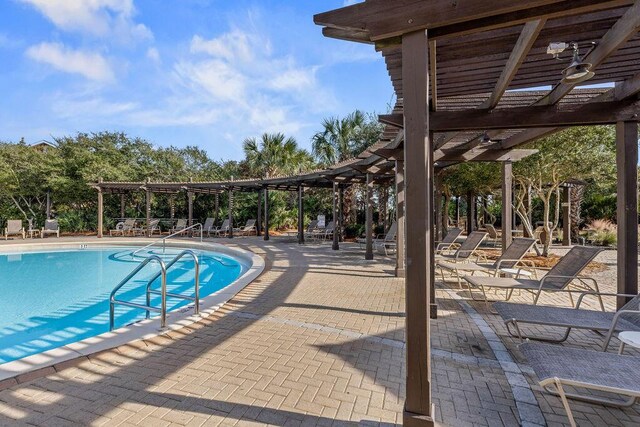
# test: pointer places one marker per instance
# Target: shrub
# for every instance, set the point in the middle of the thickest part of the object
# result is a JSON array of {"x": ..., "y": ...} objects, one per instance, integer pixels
[{"x": 604, "y": 232}]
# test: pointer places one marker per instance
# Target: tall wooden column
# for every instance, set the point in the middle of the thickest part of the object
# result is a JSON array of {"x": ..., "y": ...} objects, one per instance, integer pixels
[
  {"x": 627, "y": 208},
  {"x": 400, "y": 234},
  {"x": 458, "y": 211},
  {"x": 216, "y": 208},
  {"x": 437, "y": 206},
  {"x": 230, "y": 214},
  {"x": 419, "y": 213},
  {"x": 190, "y": 207},
  {"x": 49, "y": 204},
  {"x": 431, "y": 238},
  {"x": 336, "y": 240},
  {"x": 100, "y": 209},
  {"x": 566, "y": 216},
  {"x": 122, "y": 206},
  {"x": 368, "y": 255},
  {"x": 172, "y": 207},
  {"x": 148, "y": 211},
  {"x": 266, "y": 214},
  {"x": 301, "y": 217},
  {"x": 340, "y": 212},
  {"x": 507, "y": 211},
  {"x": 471, "y": 212},
  {"x": 259, "y": 220}
]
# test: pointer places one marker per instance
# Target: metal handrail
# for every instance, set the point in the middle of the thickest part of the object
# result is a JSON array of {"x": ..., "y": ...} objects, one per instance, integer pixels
[
  {"x": 163, "y": 239},
  {"x": 196, "y": 298},
  {"x": 163, "y": 307}
]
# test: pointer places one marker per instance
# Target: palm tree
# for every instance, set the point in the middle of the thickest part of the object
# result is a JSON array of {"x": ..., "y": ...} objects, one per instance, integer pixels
[
  {"x": 339, "y": 140},
  {"x": 275, "y": 154}
]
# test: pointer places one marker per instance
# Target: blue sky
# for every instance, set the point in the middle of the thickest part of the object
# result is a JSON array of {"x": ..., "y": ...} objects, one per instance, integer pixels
[{"x": 179, "y": 72}]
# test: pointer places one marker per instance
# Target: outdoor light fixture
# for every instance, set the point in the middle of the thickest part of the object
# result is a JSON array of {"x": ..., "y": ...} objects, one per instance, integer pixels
[{"x": 578, "y": 71}]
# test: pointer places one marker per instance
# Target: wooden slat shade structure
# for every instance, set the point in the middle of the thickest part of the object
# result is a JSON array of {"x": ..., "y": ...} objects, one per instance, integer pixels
[{"x": 454, "y": 66}]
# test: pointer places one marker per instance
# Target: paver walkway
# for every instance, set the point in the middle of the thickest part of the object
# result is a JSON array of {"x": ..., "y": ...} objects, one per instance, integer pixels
[{"x": 316, "y": 340}]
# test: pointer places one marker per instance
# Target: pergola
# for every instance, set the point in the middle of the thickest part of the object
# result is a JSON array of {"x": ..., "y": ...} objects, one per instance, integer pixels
[{"x": 440, "y": 48}]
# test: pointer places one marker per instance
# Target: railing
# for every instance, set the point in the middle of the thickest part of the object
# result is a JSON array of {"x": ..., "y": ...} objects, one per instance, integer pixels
[
  {"x": 195, "y": 299},
  {"x": 163, "y": 292},
  {"x": 164, "y": 239}
]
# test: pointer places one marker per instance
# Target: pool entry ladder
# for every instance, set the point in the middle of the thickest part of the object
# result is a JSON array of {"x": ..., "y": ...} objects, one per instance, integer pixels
[{"x": 164, "y": 267}]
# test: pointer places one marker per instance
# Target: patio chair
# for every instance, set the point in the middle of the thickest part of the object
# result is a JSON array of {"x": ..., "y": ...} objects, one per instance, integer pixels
[
  {"x": 557, "y": 366},
  {"x": 14, "y": 228},
  {"x": 602, "y": 322},
  {"x": 311, "y": 228},
  {"x": 154, "y": 225},
  {"x": 510, "y": 262},
  {"x": 223, "y": 229},
  {"x": 181, "y": 224},
  {"x": 324, "y": 233},
  {"x": 208, "y": 226},
  {"x": 51, "y": 226},
  {"x": 123, "y": 227},
  {"x": 566, "y": 272},
  {"x": 493, "y": 235},
  {"x": 449, "y": 241},
  {"x": 466, "y": 249},
  {"x": 389, "y": 241},
  {"x": 247, "y": 229},
  {"x": 390, "y": 236}
]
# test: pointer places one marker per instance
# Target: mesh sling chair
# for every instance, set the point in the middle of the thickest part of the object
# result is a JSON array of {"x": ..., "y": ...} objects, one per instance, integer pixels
[
  {"x": 559, "y": 278},
  {"x": 509, "y": 262},
  {"x": 449, "y": 241},
  {"x": 466, "y": 249},
  {"x": 607, "y": 323}
]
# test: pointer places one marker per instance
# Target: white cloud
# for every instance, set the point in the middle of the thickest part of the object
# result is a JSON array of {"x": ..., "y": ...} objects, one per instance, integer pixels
[
  {"x": 153, "y": 55},
  {"x": 101, "y": 18},
  {"x": 91, "y": 65}
]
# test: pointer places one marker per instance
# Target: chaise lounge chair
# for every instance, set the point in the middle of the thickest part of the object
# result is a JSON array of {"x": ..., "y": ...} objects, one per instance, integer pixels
[
  {"x": 557, "y": 366},
  {"x": 493, "y": 237},
  {"x": 124, "y": 227},
  {"x": 607, "y": 323},
  {"x": 561, "y": 276},
  {"x": 208, "y": 227},
  {"x": 449, "y": 241},
  {"x": 384, "y": 242},
  {"x": 311, "y": 228},
  {"x": 51, "y": 226},
  {"x": 510, "y": 262},
  {"x": 14, "y": 228},
  {"x": 222, "y": 230},
  {"x": 249, "y": 227},
  {"x": 324, "y": 233},
  {"x": 181, "y": 224},
  {"x": 466, "y": 249}
]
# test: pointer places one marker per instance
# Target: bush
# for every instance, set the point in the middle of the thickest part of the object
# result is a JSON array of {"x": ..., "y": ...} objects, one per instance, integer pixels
[
  {"x": 353, "y": 230},
  {"x": 604, "y": 232}
]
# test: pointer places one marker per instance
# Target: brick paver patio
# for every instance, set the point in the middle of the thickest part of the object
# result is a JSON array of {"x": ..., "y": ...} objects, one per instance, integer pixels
[{"x": 316, "y": 340}]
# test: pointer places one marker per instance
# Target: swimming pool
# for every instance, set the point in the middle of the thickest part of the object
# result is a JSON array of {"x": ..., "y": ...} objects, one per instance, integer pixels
[{"x": 51, "y": 298}]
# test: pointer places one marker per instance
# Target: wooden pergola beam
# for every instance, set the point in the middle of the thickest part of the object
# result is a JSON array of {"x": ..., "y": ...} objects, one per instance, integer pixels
[
  {"x": 597, "y": 113},
  {"x": 383, "y": 20},
  {"x": 482, "y": 155}
]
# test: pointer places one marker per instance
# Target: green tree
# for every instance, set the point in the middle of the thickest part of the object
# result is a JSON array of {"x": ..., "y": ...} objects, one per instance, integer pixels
[{"x": 275, "y": 154}]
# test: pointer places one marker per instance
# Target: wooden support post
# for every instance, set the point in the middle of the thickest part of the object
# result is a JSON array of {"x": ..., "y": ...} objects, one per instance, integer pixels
[
  {"x": 368, "y": 255},
  {"x": 48, "y": 204},
  {"x": 172, "y": 207},
  {"x": 485, "y": 209},
  {"x": 100, "y": 209},
  {"x": 336, "y": 240},
  {"x": 471, "y": 212},
  {"x": 431, "y": 239},
  {"x": 266, "y": 214},
  {"x": 418, "y": 152},
  {"x": 627, "y": 208},
  {"x": 190, "y": 208},
  {"x": 259, "y": 220},
  {"x": 230, "y": 214},
  {"x": 122, "y": 206},
  {"x": 458, "y": 211},
  {"x": 437, "y": 206},
  {"x": 340, "y": 225},
  {"x": 301, "y": 217},
  {"x": 216, "y": 208},
  {"x": 507, "y": 211},
  {"x": 400, "y": 234},
  {"x": 148, "y": 211},
  {"x": 566, "y": 216}
]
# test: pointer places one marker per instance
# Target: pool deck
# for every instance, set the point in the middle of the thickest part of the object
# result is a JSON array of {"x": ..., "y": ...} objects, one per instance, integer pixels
[{"x": 317, "y": 339}]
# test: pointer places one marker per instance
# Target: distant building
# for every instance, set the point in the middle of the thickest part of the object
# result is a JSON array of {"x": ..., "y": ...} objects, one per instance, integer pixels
[{"x": 43, "y": 145}]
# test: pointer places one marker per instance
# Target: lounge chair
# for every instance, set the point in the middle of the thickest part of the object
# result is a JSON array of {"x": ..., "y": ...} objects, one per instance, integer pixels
[
  {"x": 51, "y": 226},
  {"x": 123, "y": 227},
  {"x": 564, "y": 273},
  {"x": 311, "y": 228},
  {"x": 249, "y": 227},
  {"x": 181, "y": 224},
  {"x": 466, "y": 249},
  {"x": 324, "y": 233},
  {"x": 493, "y": 236},
  {"x": 14, "y": 228},
  {"x": 607, "y": 323},
  {"x": 449, "y": 241},
  {"x": 557, "y": 366},
  {"x": 510, "y": 262},
  {"x": 382, "y": 241},
  {"x": 223, "y": 229},
  {"x": 143, "y": 230},
  {"x": 208, "y": 227}
]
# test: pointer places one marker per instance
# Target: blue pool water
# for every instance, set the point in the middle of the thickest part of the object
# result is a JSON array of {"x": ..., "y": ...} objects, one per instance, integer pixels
[{"x": 50, "y": 299}]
